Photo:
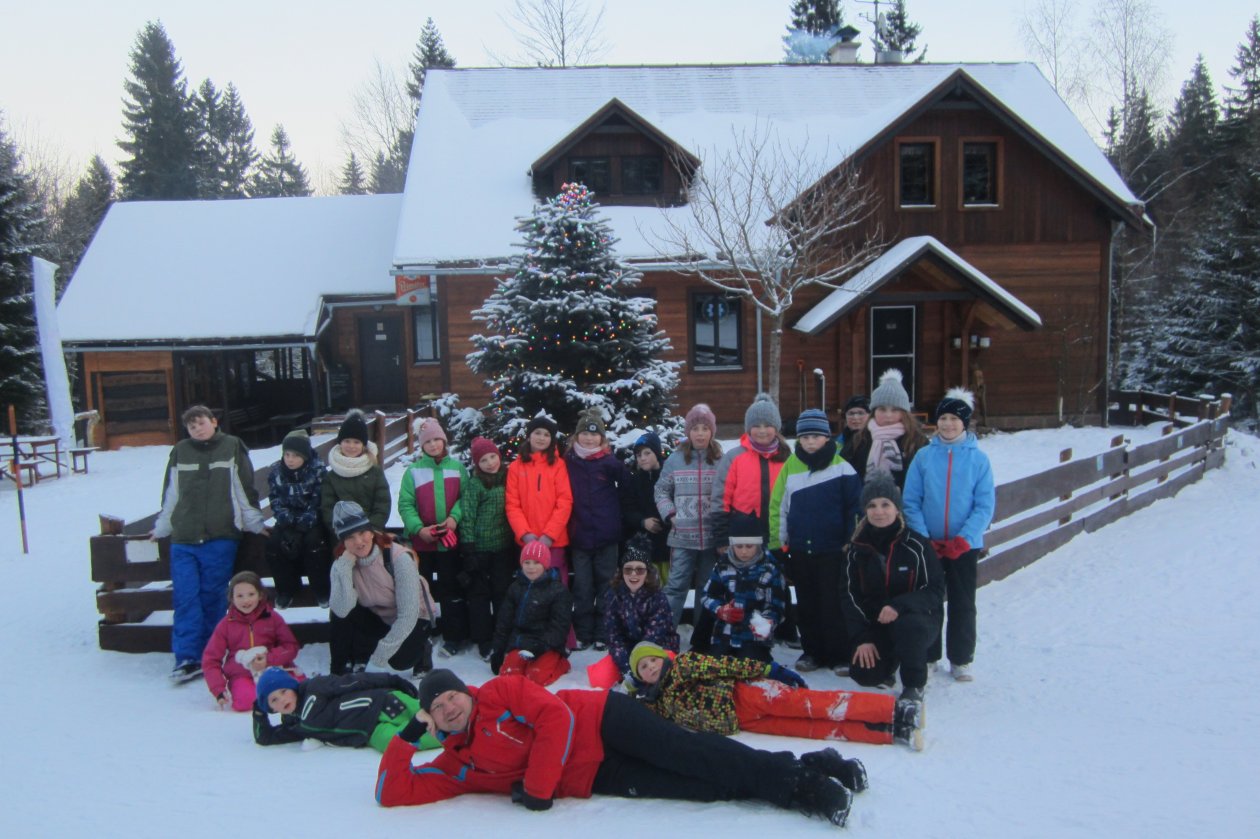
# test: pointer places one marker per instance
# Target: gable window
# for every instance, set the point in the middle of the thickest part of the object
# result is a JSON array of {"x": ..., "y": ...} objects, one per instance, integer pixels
[
  {"x": 641, "y": 175},
  {"x": 916, "y": 173},
  {"x": 980, "y": 161},
  {"x": 595, "y": 172},
  {"x": 715, "y": 322},
  {"x": 424, "y": 319}
]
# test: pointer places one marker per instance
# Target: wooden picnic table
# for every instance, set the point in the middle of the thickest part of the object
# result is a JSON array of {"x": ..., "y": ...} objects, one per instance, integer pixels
[{"x": 32, "y": 449}]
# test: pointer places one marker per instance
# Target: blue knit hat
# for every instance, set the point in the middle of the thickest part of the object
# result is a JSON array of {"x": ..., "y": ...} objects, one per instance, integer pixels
[
  {"x": 813, "y": 421},
  {"x": 271, "y": 680},
  {"x": 959, "y": 402}
]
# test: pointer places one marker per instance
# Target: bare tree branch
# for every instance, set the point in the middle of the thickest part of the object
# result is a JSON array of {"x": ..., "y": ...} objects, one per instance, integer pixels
[
  {"x": 381, "y": 108},
  {"x": 555, "y": 33},
  {"x": 765, "y": 220}
]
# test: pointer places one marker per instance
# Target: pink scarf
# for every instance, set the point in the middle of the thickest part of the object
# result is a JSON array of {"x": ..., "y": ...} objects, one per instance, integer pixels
[{"x": 885, "y": 454}]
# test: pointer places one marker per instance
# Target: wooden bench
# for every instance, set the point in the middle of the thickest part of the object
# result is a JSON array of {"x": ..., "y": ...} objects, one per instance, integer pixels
[
  {"x": 245, "y": 422},
  {"x": 79, "y": 458},
  {"x": 134, "y": 596},
  {"x": 31, "y": 468}
]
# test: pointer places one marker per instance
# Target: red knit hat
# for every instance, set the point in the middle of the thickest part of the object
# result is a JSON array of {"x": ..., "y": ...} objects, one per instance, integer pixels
[
  {"x": 538, "y": 552},
  {"x": 481, "y": 447}
]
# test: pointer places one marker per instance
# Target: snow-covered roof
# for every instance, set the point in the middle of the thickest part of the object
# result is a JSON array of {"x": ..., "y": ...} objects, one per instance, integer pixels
[
  {"x": 891, "y": 263},
  {"x": 251, "y": 268},
  {"x": 478, "y": 131}
]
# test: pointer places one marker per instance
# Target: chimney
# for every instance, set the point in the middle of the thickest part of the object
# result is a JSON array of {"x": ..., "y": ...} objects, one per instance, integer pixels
[{"x": 845, "y": 50}]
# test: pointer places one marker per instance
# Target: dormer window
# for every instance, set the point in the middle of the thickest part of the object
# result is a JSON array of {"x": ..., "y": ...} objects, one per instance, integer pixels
[
  {"x": 641, "y": 175},
  {"x": 595, "y": 172}
]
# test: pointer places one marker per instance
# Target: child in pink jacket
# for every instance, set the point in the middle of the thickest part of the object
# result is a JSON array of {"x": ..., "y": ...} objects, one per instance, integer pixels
[{"x": 248, "y": 640}]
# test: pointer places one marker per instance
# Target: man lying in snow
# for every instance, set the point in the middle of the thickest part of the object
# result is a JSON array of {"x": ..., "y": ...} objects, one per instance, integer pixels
[{"x": 513, "y": 737}]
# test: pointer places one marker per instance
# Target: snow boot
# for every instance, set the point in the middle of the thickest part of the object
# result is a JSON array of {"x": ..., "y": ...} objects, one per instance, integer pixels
[
  {"x": 815, "y": 794},
  {"x": 908, "y": 720},
  {"x": 961, "y": 672},
  {"x": 849, "y": 772},
  {"x": 186, "y": 671},
  {"x": 805, "y": 664}
]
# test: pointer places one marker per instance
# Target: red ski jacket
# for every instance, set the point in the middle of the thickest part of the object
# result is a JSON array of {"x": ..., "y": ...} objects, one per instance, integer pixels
[{"x": 539, "y": 499}]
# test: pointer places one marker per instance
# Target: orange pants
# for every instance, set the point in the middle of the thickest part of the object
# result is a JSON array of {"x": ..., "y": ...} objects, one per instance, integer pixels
[
  {"x": 770, "y": 707},
  {"x": 544, "y": 669}
]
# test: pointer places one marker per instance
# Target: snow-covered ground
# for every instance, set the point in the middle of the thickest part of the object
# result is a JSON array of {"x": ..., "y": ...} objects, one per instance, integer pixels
[{"x": 1115, "y": 696}]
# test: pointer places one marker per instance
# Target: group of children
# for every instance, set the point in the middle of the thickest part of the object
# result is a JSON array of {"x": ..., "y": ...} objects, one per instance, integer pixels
[{"x": 557, "y": 552}]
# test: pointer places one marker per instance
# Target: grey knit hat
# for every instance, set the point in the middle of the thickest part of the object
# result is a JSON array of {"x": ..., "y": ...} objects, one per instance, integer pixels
[
  {"x": 891, "y": 393},
  {"x": 348, "y": 518},
  {"x": 813, "y": 421},
  {"x": 762, "y": 411},
  {"x": 880, "y": 485}
]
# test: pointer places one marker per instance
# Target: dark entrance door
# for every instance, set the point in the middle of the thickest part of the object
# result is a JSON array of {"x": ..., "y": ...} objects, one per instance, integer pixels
[
  {"x": 381, "y": 360},
  {"x": 893, "y": 344}
]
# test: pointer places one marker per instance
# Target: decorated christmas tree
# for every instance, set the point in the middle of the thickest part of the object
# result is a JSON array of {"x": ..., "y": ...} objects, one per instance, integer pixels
[{"x": 564, "y": 334}]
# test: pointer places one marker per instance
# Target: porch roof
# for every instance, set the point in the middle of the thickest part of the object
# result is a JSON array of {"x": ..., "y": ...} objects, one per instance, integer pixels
[{"x": 892, "y": 263}]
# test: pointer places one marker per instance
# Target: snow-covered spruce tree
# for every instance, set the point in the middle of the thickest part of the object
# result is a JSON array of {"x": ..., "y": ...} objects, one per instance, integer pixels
[
  {"x": 20, "y": 231},
  {"x": 562, "y": 333}
]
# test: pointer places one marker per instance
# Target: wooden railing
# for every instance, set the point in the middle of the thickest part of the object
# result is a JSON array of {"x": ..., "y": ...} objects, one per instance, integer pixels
[
  {"x": 1039, "y": 513},
  {"x": 134, "y": 573},
  {"x": 1140, "y": 407}
]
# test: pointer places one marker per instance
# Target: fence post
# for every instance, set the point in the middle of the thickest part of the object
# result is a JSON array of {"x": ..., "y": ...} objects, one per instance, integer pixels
[
  {"x": 381, "y": 419},
  {"x": 1117, "y": 442},
  {"x": 1064, "y": 457},
  {"x": 411, "y": 437},
  {"x": 1140, "y": 414},
  {"x": 1167, "y": 429},
  {"x": 1172, "y": 407},
  {"x": 1226, "y": 402}
]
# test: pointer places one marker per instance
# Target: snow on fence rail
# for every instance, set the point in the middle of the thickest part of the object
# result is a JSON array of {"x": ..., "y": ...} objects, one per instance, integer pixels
[
  {"x": 134, "y": 595},
  {"x": 1040, "y": 513}
]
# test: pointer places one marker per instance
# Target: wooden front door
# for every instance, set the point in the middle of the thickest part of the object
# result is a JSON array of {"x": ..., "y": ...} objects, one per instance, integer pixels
[
  {"x": 381, "y": 360},
  {"x": 893, "y": 344}
]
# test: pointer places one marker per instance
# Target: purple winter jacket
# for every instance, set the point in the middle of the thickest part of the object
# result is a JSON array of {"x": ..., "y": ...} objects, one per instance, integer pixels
[
  {"x": 596, "y": 483},
  {"x": 639, "y": 616}
]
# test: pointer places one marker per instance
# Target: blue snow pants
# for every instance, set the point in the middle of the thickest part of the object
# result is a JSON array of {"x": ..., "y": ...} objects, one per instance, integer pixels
[{"x": 199, "y": 578}]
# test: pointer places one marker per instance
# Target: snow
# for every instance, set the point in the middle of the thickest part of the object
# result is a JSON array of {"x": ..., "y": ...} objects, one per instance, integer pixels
[
  {"x": 56, "y": 380},
  {"x": 480, "y": 130},
  {"x": 888, "y": 266},
  {"x": 1114, "y": 696},
  {"x": 164, "y": 270}
]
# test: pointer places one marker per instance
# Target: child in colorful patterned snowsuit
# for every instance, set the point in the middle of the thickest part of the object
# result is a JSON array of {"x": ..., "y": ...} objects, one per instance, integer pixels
[
  {"x": 354, "y": 710},
  {"x": 250, "y": 638},
  {"x": 745, "y": 595},
  {"x": 727, "y": 695}
]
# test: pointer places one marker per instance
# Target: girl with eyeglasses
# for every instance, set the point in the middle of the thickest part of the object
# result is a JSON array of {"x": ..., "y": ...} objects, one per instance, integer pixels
[{"x": 637, "y": 609}]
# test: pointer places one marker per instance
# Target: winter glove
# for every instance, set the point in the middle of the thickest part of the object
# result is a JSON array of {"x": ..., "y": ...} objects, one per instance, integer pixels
[
  {"x": 786, "y": 675},
  {"x": 730, "y": 612},
  {"x": 449, "y": 539},
  {"x": 529, "y": 802},
  {"x": 414, "y": 730}
]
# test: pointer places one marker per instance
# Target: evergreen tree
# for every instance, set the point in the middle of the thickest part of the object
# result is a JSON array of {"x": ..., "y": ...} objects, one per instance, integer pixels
[
  {"x": 1245, "y": 98},
  {"x": 207, "y": 107},
  {"x": 279, "y": 174},
  {"x": 1191, "y": 130},
  {"x": 812, "y": 31},
  {"x": 21, "y": 230},
  {"x": 158, "y": 122},
  {"x": 430, "y": 52},
  {"x": 352, "y": 179},
  {"x": 81, "y": 215},
  {"x": 899, "y": 32},
  {"x": 225, "y": 142},
  {"x": 389, "y": 174},
  {"x": 562, "y": 334}
]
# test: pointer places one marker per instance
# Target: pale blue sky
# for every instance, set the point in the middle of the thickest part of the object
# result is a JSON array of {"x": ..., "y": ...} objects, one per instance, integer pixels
[{"x": 64, "y": 61}]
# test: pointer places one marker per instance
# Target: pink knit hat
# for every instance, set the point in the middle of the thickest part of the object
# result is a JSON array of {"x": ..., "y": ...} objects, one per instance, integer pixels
[
  {"x": 431, "y": 429},
  {"x": 701, "y": 414},
  {"x": 538, "y": 552},
  {"x": 481, "y": 447}
]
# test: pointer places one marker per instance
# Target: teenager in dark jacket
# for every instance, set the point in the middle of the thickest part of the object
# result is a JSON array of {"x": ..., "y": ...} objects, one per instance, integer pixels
[
  {"x": 596, "y": 477},
  {"x": 637, "y": 608},
  {"x": 894, "y": 588},
  {"x": 358, "y": 709},
  {"x": 638, "y": 501},
  {"x": 298, "y": 544},
  {"x": 533, "y": 622}
]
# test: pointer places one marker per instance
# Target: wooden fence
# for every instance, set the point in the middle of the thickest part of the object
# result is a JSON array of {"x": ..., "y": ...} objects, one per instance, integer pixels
[{"x": 134, "y": 573}]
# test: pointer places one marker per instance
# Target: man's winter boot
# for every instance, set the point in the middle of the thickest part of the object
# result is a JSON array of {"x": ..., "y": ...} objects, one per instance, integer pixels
[
  {"x": 908, "y": 720},
  {"x": 818, "y": 795},
  {"x": 849, "y": 772}
]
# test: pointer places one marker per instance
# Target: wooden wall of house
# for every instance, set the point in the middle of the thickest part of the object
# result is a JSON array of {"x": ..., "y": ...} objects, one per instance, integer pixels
[{"x": 135, "y": 394}]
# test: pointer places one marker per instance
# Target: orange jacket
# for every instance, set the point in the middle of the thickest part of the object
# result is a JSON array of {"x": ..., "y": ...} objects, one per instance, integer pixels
[{"x": 539, "y": 500}]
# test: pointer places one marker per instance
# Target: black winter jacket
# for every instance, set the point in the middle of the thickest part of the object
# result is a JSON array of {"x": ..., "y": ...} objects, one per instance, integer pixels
[
  {"x": 339, "y": 710},
  {"x": 906, "y": 575},
  {"x": 638, "y": 502},
  {"x": 535, "y": 616}
]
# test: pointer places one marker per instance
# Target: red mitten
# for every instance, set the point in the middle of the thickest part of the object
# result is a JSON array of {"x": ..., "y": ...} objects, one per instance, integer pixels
[
  {"x": 731, "y": 612},
  {"x": 956, "y": 547},
  {"x": 938, "y": 545}
]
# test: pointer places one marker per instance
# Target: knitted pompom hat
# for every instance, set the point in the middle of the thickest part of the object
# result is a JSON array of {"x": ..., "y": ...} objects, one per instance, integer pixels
[
  {"x": 271, "y": 680},
  {"x": 891, "y": 393},
  {"x": 541, "y": 421},
  {"x": 353, "y": 427},
  {"x": 763, "y": 411},
  {"x": 430, "y": 429},
  {"x": 958, "y": 401}
]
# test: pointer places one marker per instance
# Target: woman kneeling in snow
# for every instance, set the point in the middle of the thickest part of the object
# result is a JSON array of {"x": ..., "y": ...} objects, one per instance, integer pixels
[
  {"x": 514, "y": 737},
  {"x": 725, "y": 695}
]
